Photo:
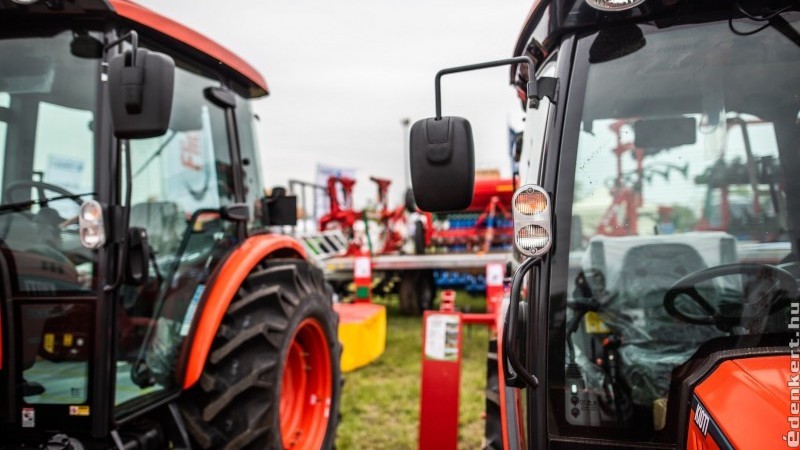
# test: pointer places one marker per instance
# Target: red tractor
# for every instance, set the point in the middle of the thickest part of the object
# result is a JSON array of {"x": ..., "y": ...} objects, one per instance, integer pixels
[
  {"x": 144, "y": 304},
  {"x": 620, "y": 335}
]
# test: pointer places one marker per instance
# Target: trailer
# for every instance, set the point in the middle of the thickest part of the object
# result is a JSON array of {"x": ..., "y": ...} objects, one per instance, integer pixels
[{"x": 412, "y": 277}]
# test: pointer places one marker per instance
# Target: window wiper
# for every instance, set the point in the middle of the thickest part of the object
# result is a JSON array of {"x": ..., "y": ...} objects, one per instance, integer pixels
[{"x": 23, "y": 206}]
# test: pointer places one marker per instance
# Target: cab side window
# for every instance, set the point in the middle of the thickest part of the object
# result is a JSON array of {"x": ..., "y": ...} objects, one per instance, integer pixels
[
  {"x": 251, "y": 167},
  {"x": 179, "y": 181}
]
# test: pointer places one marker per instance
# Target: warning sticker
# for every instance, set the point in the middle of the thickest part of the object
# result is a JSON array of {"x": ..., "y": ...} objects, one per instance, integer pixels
[
  {"x": 79, "y": 410},
  {"x": 441, "y": 337},
  {"x": 28, "y": 418},
  {"x": 49, "y": 342},
  {"x": 594, "y": 324},
  {"x": 191, "y": 310}
]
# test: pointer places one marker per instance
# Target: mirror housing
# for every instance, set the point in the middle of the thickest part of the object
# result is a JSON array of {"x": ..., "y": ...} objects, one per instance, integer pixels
[
  {"x": 235, "y": 212},
  {"x": 279, "y": 209},
  {"x": 442, "y": 164},
  {"x": 654, "y": 135},
  {"x": 141, "y": 85}
]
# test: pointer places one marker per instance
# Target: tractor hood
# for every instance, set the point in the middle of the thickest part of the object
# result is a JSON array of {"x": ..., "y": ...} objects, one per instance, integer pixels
[{"x": 746, "y": 403}]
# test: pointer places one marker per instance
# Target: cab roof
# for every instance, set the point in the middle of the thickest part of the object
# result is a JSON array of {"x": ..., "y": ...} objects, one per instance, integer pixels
[
  {"x": 548, "y": 20},
  {"x": 254, "y": 83}
]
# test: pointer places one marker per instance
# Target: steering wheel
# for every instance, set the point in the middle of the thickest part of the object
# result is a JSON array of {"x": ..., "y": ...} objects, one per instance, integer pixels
[
  {"x": 728, "y": 314},
  {"x": 41, "y": 186}
]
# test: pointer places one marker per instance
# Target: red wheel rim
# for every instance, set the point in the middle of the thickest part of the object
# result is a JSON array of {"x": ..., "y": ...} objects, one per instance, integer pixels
[{"x": 306, "y": 388}]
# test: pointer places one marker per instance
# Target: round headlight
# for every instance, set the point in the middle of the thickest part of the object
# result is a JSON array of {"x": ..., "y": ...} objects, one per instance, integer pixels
[
  {"x": 91, "y": 211},
  {"x": 614, "y": 5},
  {"x": 530, "y": 202},
  {"x": 532, "y": 238},
  {"x": 92, "y": 237}
]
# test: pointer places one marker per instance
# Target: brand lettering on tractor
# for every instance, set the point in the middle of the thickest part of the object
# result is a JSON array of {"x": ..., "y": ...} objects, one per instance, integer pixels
[{"x": 701, "y": 419}]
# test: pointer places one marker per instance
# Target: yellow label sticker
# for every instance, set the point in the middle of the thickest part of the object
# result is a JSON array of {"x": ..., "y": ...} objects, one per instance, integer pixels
[
  {"x": 79, "y": 410},
  {"x": 49, "y": 342},
  {"x": 68, "y": 340},
  {"x": 594, "y": 324}
]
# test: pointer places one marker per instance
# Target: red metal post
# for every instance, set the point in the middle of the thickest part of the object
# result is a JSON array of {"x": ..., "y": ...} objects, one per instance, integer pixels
[
  {"x": 441, "y": 362},
  {"x": 441, "y": 377},
  {"x": 495, "y": 274}
]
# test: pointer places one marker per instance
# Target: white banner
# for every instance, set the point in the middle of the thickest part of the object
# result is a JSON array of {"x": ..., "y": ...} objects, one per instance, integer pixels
[{"x": 323, "y": 173}]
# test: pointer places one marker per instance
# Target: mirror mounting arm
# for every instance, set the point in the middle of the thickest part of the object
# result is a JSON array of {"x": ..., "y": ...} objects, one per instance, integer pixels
[
  {"x": 545, "y": 87},
  {"x": 133, "y": 36},
  {"x": 532, "y": 90}
]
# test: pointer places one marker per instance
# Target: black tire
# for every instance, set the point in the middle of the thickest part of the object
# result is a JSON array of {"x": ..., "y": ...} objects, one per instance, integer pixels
[
  {"x": 419, "y": 237},
  {"x": 417, "y": 292},
  {"x": 411, "y": 203},
  {"x": 493, "y": 429},
  {"x": 235, "y": 405}
]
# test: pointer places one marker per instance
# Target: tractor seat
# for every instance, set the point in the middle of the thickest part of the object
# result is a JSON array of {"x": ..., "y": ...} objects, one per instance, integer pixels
[{"x": 638, "y": 271}]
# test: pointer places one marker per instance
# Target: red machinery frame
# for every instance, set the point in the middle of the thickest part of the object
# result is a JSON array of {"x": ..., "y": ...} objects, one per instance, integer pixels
[
  {"x": 492, "y": 199},
  {"x": 440, "y": 377},
  {"x": 626, "y": 199},
  {"x": 342, "y": 215}
]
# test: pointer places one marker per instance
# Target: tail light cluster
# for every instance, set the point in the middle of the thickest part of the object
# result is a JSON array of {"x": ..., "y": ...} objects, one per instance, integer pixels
[{"x": 532, "y": 220}]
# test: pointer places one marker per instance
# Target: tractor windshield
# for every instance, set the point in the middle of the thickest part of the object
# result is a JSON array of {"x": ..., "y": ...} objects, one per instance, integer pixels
[
  {"x": 47, "y": 154},
  {"x": 684, "y": 215}
]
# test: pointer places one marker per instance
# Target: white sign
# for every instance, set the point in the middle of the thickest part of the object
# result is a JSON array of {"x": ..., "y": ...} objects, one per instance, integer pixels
[
  {"x": 66, "y": 171},
  {"x": 494, "y": 274},
  {"x": 28, "y": 418},
  {"x": 362, "y": 267},
  {"x": 441, "y": 337}
]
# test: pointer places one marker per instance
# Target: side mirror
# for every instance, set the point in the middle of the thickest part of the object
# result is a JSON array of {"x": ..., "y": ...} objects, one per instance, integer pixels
[
  {"x": 279, "y": 209},
  {"x": 442, "y": 152},
  {"x": 141, "y": 84},
  {"x": 442, "y": 163}
]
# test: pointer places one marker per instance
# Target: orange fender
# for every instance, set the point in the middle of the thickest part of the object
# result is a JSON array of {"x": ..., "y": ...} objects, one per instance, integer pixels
[
  {"x": 746, "y": 404},
  {"x": 221, "y": 292}
]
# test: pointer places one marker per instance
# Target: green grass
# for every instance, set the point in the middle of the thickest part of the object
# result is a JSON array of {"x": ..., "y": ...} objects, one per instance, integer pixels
[{"x": 380, "y": 402}]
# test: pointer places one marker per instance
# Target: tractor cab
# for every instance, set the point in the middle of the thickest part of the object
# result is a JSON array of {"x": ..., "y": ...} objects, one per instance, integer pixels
[{"x": 654, "y": 303}]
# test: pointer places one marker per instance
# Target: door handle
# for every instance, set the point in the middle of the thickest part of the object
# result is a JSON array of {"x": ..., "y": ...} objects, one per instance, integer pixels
[{"x": 516, "y": 375}]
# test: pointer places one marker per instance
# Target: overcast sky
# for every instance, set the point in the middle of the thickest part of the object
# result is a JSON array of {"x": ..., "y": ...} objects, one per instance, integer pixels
[{"x": 343, "y": 74}]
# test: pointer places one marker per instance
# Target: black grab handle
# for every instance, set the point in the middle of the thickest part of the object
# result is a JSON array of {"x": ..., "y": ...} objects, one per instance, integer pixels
[{"x": 515, "y": 373}]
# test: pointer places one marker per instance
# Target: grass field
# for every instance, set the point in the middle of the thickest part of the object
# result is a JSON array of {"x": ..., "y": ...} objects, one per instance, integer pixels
[{"x": 380, "y": 402}]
